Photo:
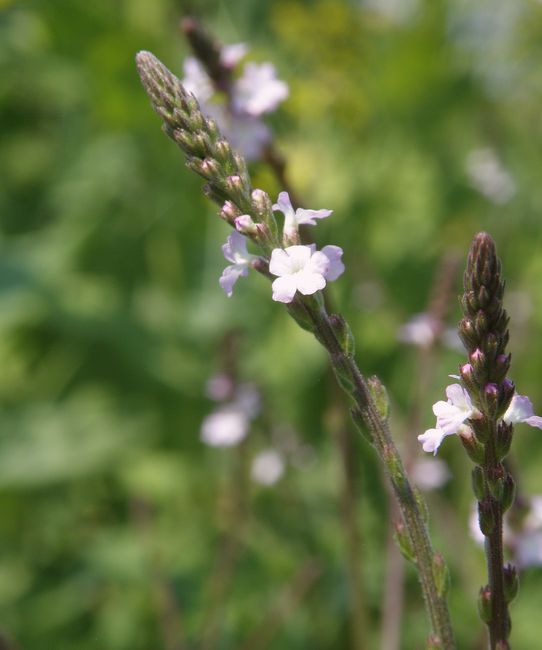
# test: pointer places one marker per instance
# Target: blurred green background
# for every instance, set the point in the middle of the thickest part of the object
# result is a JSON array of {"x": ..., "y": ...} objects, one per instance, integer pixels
[{"x": 419, "y": 123}]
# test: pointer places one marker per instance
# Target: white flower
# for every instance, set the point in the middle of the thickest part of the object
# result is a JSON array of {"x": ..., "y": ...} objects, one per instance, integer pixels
[
  {"x": 258, "y": 90},
  {"x": 430, "y": 473},
  {"x": 295, "y": 218},
  {"x": 419, "y": 330},
  {"x": 267, "y": 467},
  {"x": 228, "y": 425},
  {"x": 235, "y": 251},
  {"x": 303, "y": 269},
  {"x": 452, "y": 414},
  {"x": 225, "y": 427},
  {"x": 487, "y": 175}
]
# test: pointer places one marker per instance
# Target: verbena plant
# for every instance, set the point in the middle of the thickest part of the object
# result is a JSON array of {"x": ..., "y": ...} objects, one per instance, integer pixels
[{"x": 482, "y": 405}]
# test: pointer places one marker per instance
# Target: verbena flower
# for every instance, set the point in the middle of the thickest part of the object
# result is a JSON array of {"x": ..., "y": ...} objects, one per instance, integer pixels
[
  {"x": 235, "y": 251},
  {"x": 225, "y": 427},
  {"x": 229, "y": 424},
  {"x": 258, "y": 90},
  {"x": 295, "y": 218},
  {"x": 451, "y": 416},
  {"x": 267, "y": 467},
  {"x": 303, "y": 269}
]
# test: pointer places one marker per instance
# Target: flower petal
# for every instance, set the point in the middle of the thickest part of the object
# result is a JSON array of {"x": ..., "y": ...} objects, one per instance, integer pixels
[
  {"x": 309, "y": 283},
  {"x": 336, "y": 267},
  {"x": 519, "y": 410},
  {"x": 284, "y": 204},
  {"x": 230, "y": 275},
  {"x": 307, "y": 217},
  {"x": 319, "y": 263},
  {"x": 235, "y": 249},
  {"x": 534, "y": 421},
  {"x": 280, "y": 263},
  {"x": 284, "y": 288},
  {"x": 432, "y": 439},
  {"x": 459, "y": 397}
]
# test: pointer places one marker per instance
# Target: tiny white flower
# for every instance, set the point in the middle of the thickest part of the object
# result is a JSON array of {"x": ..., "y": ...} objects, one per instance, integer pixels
[
  {"x": 225, "y": 427},
  {"x": 430, "y": 473},
  {"x": 419, "y": 330},
  {"x": 303, "y": 269},
  {"x": 452, "y": 414},
  {"x": 258, "y": 90},
  {"x": 267, "y": 467},
  {"x": 488, "y": 175},
  {"x": 295, "y": 218},
  {"x": 458, "y": 408},
  {"x": 235, "y": 251}
]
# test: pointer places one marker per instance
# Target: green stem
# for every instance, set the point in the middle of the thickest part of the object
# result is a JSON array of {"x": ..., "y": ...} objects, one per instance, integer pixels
[{"x": 346, "y": 369}]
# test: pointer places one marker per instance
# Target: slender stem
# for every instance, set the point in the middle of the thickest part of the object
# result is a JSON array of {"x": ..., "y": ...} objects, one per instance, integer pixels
[
  {"x": 499, "y": 625},
  {"x": 345, "y": 366}
]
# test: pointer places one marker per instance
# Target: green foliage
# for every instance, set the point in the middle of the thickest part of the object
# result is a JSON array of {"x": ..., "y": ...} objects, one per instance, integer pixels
[{"x": 119, "y": 529}]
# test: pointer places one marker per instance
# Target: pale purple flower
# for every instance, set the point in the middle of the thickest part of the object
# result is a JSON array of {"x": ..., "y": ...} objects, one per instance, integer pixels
[
  {"x": 258, "y": 90},
  {"x": 334, "y": 255},
  {"x": 267, "y": 467},
  {"x": 246, "y": 133},
  {"x": 230, "y": 55},
  {"x": 196, "y": 80},
  {"x": 229, "y": 424},
  {"x": 451, "y": 416},
  {"x": 295, "y": 218},
  {"x": 419, "y": 330},
  {"x": 219, "y": 387},
  {"x": 235, "y": 251},
  {"x": 303, "y": 269},
  {"x": 225, "y": 427},
  {"x": 521, "y": 410},
  {"x": 430, "y": 473}
]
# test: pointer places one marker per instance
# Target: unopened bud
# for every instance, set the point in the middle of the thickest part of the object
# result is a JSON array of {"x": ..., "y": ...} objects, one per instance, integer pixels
[
  {"x": 343, "y": 333},
  {"x": 380, "y": 396},
  {"x": 442, "y": 575},
  {"x": 508, "y": 493},
  {"x": 481, "y": 324},
  {"x": 245, "y": 225},
  {"x": 511, "y": 583},
  {"x": 495, "y": 482},
  {"x": 478, "y": 484},
  {"x": 223, "y": 151},
  {"x": 229, "y": 212},
  {"x": 474, "y": 448},
  {"x": 491, "y": 398},
  {"x": 433, "y": 643},
  {"x": 503, "y": 439},
  {"x": 404, "y": 543},
  {"x": 506, "y": 393},
  {"x": 486, "y": 519},
  {"x": 484, "y": 604}
]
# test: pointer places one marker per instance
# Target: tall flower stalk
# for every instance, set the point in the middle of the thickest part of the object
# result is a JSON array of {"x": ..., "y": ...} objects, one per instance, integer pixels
[
  {"x": 482, "y": 411},
  {"x": 301, "y": 272}
]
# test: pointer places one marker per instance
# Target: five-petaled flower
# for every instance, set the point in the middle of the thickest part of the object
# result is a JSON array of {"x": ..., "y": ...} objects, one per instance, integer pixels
[
  {"x": 295, "y": 218},
  {"x": 303, "y": 269},
  {"x": 235, "y": 251},
  {"x": 452, "y": 415}
]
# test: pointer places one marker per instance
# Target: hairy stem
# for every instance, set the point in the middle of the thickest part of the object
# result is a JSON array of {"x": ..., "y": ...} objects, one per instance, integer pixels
[{"x": 348, "y": 373}]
